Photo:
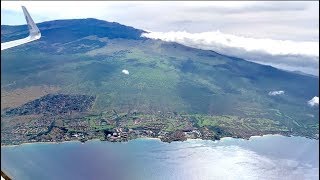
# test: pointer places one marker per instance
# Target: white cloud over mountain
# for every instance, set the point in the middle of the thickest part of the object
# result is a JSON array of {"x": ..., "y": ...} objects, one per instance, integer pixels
[
  {"x": 274, "y": 93},
  {"x": 281, "y": 34},
  {"x": 284, "y": 54},
  {"x": 125, "y": 71},
  {"x": 314, "y": 101}
]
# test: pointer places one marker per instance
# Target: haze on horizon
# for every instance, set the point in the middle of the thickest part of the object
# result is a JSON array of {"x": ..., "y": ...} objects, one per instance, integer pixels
[{"x": 281, "y": 34}]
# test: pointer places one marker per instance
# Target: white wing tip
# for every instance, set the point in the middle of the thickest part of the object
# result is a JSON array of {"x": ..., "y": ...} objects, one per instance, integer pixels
[{"x": 34, "y": 33}]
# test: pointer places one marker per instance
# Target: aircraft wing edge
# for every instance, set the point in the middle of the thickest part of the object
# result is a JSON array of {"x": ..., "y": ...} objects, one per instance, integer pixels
[{"x": 34, "y": 33}]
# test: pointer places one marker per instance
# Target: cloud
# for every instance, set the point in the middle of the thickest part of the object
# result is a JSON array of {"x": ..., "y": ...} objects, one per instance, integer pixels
[
  {"x": 275, "y": 20},
  {"x": 314, "y": 101},
  {"x": 125, "y": 71},
  {"x": 269, "y": 46},
  {"x": 274, "y": 93},
  {"x": 285, "y": 54},
  {"x": 281, "y": 34}
]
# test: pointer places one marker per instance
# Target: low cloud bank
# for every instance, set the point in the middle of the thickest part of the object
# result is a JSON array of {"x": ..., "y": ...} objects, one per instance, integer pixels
[
  {"x": 274, "y": 93},
  {"x": 283, "y": 54},
  {"x": 314, "y": 101}
]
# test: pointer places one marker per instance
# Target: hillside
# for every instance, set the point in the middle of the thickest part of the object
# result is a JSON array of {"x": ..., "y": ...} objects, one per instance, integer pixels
[{"x": 86, "y": 56}]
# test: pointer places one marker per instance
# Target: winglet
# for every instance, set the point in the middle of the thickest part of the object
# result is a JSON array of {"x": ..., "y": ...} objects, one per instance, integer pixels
[
  {"x": 34, "y": 33},
  {"x": 33, "y": 29}
]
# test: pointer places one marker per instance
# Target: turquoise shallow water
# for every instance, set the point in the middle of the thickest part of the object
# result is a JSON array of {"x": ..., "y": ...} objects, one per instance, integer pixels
[{"x": 267, "y": 157}]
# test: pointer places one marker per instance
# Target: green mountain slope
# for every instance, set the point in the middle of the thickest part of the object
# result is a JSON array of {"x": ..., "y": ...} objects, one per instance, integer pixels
[{"x": 87, "y": 56}]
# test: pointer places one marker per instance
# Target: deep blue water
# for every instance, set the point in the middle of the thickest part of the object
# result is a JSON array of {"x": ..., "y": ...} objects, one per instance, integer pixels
[{"x": 267, "y": 157}]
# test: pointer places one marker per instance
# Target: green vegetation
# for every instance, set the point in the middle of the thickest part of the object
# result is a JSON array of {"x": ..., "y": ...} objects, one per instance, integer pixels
[
  {"x": 210, "y": 89},
  {"x": 168, "y": 126}
]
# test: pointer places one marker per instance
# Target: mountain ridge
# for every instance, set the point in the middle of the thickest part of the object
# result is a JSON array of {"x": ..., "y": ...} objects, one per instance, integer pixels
[
  {"x": 89, "y": 24},
  {"x": 45, "y": 25}
]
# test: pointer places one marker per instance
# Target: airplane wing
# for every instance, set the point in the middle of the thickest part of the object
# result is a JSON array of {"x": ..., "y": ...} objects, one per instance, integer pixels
[{"x": 34, "y": 33}]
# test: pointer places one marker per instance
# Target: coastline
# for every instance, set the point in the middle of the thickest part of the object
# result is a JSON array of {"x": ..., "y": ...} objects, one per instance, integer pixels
[
  {"x": 103, "y": 159},
  {"x": 50, "y": 142},
  {"x": 158, "y": 139}
]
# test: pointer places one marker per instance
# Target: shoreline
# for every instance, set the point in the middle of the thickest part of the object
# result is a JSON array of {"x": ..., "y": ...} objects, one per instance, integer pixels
[{"x": 158, "y": 139}]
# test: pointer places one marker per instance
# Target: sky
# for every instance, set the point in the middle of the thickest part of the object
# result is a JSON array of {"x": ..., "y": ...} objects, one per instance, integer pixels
[{"x": 281, "y": 34}]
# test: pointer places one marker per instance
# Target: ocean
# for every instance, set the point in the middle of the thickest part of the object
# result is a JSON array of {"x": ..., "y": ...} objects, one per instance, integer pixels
[{"x": 267, "y": 157}]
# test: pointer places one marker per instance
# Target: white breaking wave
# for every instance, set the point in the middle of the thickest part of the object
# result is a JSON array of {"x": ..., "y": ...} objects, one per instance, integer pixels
[{"x": 283, "y": 54}]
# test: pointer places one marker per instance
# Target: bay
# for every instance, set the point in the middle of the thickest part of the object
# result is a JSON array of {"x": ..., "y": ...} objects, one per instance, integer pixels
[{"x": 266, "y": 157}]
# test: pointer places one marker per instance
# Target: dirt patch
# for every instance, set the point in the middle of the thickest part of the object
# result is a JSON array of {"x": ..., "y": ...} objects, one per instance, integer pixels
[
  {"x": 18, "y": 120},
  {"x": 18, "y": 97}
]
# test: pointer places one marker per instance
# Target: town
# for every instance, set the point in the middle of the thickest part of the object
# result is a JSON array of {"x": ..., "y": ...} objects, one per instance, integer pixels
[{"x": 69, "y": 118}]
